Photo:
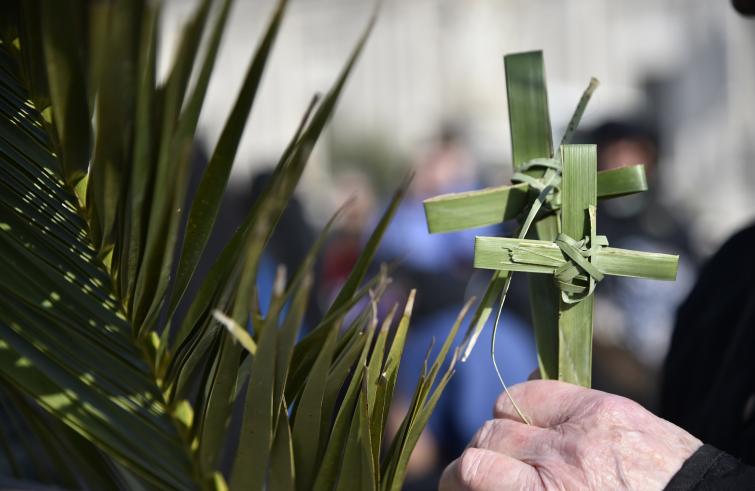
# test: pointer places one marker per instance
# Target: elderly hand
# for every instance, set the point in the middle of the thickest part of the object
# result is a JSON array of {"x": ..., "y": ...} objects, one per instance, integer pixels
[{"x": 579, "y": 439}]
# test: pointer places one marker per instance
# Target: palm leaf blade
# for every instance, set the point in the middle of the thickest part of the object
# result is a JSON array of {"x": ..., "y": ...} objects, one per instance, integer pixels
[
  {"x": 207, "y": 204},
  {"x": 61, "y": 380},
  {"x": 531, "y": 138}
]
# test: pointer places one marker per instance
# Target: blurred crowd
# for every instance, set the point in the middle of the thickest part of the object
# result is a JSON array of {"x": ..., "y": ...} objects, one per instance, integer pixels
[
  {"x": 633, "y": 320},
  {"x": 690, "y": 77}
]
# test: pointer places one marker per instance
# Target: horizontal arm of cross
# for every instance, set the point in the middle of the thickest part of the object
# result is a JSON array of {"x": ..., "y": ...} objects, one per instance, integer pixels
[
  {"x": 473, "y": 209},
  {"x": 535, "y": 256}
]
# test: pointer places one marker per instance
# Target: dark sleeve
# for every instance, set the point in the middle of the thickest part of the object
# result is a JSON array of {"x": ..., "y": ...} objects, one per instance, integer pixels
[{"x": 712, "y": 469}]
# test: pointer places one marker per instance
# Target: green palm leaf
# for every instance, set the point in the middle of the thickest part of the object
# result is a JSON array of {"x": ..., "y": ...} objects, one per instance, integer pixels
[
  {"x": 85, "y": 370},
  {"x": 113, "y": 388}
]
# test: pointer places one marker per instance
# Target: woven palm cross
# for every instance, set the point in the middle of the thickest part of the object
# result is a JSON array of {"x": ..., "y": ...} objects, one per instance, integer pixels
[{"x": 564, "y": 255}]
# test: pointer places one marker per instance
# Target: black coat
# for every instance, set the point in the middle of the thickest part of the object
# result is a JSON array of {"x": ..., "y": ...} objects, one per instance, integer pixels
[{"x": 708, "y": 384}]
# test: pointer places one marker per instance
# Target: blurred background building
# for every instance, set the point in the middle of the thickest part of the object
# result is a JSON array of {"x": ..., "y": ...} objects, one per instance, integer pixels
[
  {"x": 685, "y": 66},
  {"x": 677, "y": 93}
]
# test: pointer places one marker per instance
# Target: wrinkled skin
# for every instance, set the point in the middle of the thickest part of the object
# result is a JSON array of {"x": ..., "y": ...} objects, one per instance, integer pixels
[{"x": 580, "y": 439}]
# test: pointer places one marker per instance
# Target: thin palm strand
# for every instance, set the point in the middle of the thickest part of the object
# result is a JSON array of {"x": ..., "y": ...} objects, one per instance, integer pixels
[{"x": 536, "y": 205}]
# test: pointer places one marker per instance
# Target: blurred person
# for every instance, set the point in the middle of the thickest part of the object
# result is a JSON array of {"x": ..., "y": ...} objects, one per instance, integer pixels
[
  {"x": 353, "y": 191},
  {"x": 708, "y": 385},
  {"x": 293, "y": 235},
  {"x": 446, "y": 167},
  {"x": 439, "y": 267},
  {"x": 288, "y": 244},
  {"x": 634, "y": 317}
]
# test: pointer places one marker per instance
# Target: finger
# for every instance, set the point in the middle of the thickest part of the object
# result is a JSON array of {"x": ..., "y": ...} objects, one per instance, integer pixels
[
  {"x": 518, "y": 440},
  {"x": 485, "y": 470},
  {"x": 545, "y": 402}
]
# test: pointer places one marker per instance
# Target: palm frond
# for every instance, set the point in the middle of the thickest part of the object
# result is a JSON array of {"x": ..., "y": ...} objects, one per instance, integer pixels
[
  {"x": 116, "y": 389},
  {"x": 65, "y": 341}
]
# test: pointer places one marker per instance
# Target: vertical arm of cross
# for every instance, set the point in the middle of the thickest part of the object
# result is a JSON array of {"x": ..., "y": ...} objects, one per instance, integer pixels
[
  {"x": 578, "y": 194},
  {"x": 529, "y": 118},
  {"x": 531, "y": 138}
]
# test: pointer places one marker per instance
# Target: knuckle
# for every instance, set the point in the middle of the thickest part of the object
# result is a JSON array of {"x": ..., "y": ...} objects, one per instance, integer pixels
[
  {"x": 609, "y": 407},
  {"x": 503, "y": 401},
  {"x": 497, "y": 432},
  {"x": 469, "y": 468},
  {"x": 615, "y": 412},
  {"x": 485, "y": 433},
  {"x": 500, "y": 405}
]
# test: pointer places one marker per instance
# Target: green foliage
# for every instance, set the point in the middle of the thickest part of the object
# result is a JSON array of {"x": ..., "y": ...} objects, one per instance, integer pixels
[{"x": 109, "y": 387}]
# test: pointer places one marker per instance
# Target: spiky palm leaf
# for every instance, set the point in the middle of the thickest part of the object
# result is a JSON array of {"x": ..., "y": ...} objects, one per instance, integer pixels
[{"x": 105, "y": 379}]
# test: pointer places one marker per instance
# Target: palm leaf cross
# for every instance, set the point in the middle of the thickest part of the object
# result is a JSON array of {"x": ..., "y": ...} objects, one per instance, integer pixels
[{"x": 557, "y": 196}]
